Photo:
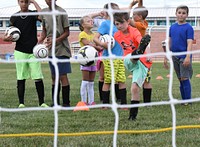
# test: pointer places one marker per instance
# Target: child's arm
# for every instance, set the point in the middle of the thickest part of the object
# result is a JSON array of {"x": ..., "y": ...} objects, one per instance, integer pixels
[
  {"x": 140, "y": 3},
  {"x": 99, "y": 43},
  {"x": 189, "y": 48},
  {"x": 42, "y": 36},
  {"x": 101, "y": 14},
  {"x": 165, "y": 63},
  {"x": 36, "y": 5}
]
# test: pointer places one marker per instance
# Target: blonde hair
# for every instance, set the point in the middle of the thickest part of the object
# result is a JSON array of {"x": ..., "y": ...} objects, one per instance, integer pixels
[{"x": 82, "y": 20}]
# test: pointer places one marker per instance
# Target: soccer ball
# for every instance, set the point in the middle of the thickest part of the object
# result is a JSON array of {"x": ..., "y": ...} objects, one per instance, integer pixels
[
  {"x": 108, "y": 38},
  {"x": 40, "y": 51},
  {"x": 14, "y": 32},
  {"x": 86, "y": 55}
]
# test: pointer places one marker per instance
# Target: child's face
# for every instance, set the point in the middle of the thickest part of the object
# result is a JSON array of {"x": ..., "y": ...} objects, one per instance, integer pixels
[
  {"x": 136, "y": 17},
  {"x": 48, "y": 2},
  {"x": 122, "y": 26},
  {"x": 181, "y": 15},
  {"x": 88, "y": 23},
  {"x": 23, "y": 4}
]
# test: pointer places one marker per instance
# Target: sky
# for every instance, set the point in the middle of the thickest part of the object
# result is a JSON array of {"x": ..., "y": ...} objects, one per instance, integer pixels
[{"x": 100, "y": 3}]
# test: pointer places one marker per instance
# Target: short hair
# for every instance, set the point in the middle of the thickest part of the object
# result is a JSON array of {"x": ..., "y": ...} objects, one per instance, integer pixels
[
  {"x": 113, "y": 6},
  {"x": 25, "y": 1},
  {"x": 141, "y": 11},
  {"x": 183, "y": 7},
  {"x": 120, "y": 17}
]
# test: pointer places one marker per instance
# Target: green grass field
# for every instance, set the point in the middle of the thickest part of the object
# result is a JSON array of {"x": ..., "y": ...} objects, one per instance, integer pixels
[{"x": 97, "y": 120}]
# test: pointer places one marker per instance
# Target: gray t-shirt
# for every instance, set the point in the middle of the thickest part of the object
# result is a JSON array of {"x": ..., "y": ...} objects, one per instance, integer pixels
[{"x": 63, "y": 48}]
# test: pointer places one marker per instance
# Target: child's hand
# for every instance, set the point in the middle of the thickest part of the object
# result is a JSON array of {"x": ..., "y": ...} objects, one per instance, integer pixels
[
  {"x": 31, "y": 1},
  {"x": 186, "y": 61},
  {"x": 48, "y": 42},
  {"x": 7, "y": 38},
  {"x": 165, "y": 64},
  {"x": 133, "y": 3}
]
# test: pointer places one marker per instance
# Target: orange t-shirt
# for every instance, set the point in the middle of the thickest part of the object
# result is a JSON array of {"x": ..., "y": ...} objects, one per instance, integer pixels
[
  {"x": 142, "y": 26},
  {"x": 130, "y": 42}
]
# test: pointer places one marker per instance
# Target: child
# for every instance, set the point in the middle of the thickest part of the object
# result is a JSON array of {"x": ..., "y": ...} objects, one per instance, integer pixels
[
  {"x": 118, "y": 63},
  {"x": 131, "y": 41},
  {"x": 139, "y": 21},
  {"x": 98, "y": 18},
  {"x": 62, "y": 50},
  {"x": 88, "y": 72},
  {"x": 181, "y": 35},
  {"x": 24, "y": 51}
]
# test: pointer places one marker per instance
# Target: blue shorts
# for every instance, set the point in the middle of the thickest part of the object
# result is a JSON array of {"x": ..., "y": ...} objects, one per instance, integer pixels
[{"x": 63, "y": 67}]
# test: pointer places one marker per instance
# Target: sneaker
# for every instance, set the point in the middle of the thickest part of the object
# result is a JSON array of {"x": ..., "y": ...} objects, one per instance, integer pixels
[
  {"x": 21, "y": 106},
  {"x": 66, "y": 105},
  {"x": 143, "y": 45},
  {"x": 44, "y": 105},
  {"x": 93, "y": 103}
]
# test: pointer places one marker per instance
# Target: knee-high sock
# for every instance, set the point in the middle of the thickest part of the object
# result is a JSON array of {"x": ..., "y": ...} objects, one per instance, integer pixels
[
  {"x": 90, "y": 92},
  {"x": 83, "y": 91},
  {"x": 187, "y": 89},
  {"x": 117, "y": 95},
  {"x": 66, "y": 95},
  {"x": 100, "y": 90},
  {"x": 133, "y": 111},
  {"x": 21, "y": 90},
  {"x": 182, "y": 91},
  {"x": 147, "y": 95},
  {"x": 40, "y": 91},
  {"x": 58, "y": 94},
  {"x": 122, "y": 96},
  {"x": 106, "y": 97}
]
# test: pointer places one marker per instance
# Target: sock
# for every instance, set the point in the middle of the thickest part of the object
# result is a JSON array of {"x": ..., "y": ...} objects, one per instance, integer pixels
[
  {"x": 40, "y": 91},
  {"x": 133, "y": 111},
  {"x": 83, "y": 91},
  {"x": 147, "y": 95},
  {"x": 90, "y": 92},
  {"x": 58, "y": 94},
  {"x": 122, "y": 96},
  {"x": 21, "y": 90},
  {"x": 65, "y": 95},
  {"x": 100, "y": 90},
  {"x": 182, "y": 91},
  {"x": 106, "y": 97},
  {"x": 187, "y": 89},
  {"x": 117, "y": 93}
]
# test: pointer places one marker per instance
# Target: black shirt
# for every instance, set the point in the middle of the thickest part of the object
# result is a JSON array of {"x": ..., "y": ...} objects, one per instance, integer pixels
[{"x": 28, "y": 28}]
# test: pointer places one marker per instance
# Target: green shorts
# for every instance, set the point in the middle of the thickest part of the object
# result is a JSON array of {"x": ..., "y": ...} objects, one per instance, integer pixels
[
  {"x": 138, "y": 70},
  {"x": 26, "y": 70},
  {"x": 119, "y": 71}
]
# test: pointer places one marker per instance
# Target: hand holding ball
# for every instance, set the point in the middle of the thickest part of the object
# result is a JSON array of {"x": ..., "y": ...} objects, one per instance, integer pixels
[{"x": 40, "y": 51}]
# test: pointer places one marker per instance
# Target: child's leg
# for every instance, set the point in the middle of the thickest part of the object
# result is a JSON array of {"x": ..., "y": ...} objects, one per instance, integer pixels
[
  {"x": 106, "y": 93},
  {"x": 65, "y": 90},
  {"x": 21, "y": 90},
  {"x": 40, "y": 90},
  {"x": 91, "y": 86},
  {"x": 101, "y": 80},
  {"x": 147, "y": 89},
  {"x": 135, "y": 90}
]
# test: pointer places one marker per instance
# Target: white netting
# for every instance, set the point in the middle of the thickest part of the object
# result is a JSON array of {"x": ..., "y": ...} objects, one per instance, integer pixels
[{"x": 172, "y": 101}]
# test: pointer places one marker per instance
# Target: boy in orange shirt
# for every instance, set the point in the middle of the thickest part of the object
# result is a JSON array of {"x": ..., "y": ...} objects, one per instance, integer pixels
[{"x": 133, "y": 44}]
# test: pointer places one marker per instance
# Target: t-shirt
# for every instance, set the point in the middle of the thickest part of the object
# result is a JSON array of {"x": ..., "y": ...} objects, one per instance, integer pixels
[
  {"x": 130, "y": 42},
  {"x": 62, "y": 22},
  {"x": 86, "y": 36},
  {"x": 103, "y": 29},
  {"x": 142, "y": 26},
  {"x": 179, "y": 35},
  {"x": 28, "y": 29}
]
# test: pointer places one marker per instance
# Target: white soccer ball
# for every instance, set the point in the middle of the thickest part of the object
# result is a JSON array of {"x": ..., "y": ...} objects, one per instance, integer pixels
[
  {"x": 86, "y": 55},
  {"x": 108, "y": 38},
  {"x": 14, "y": 32},
  {"x": 40, "y": 51}
]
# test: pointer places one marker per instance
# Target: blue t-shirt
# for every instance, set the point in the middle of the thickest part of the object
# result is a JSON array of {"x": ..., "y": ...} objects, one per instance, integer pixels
[
  {"x": 103, "y": 29},
  {"x": 179, "y": 35}
]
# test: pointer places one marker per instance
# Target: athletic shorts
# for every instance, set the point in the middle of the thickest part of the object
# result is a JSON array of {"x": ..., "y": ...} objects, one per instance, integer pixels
[
  {"x": 138, "y": 69},
  {"x": 89, "y": 68},
  {"x": 63, "y": 67},
  {"x": 27, "y": 70},
  {"x": 148, "y": 77},
  {"x": 119, "y": 71},
  {"x": 182, "y": 71}
]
